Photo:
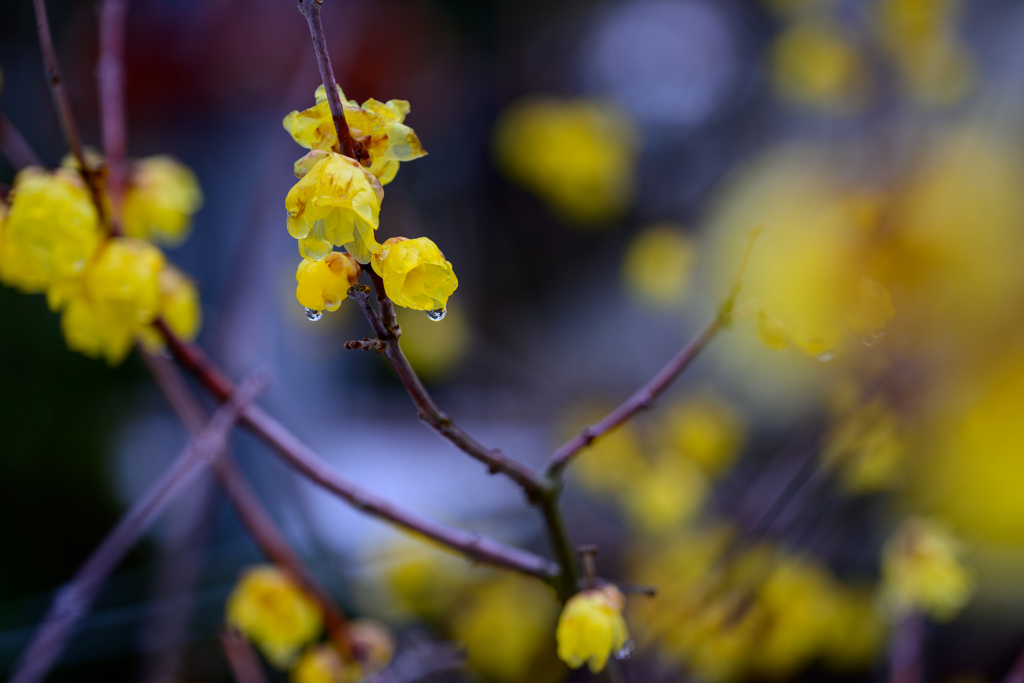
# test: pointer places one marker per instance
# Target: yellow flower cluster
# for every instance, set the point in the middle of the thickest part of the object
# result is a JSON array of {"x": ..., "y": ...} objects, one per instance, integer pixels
[
  {"x": 922, "y": 570},
  {"x": 591, "y": 628},
  {"x": 729, "y": 614},
  {"x": 867, "y": 446},
  {"x": 272, "y": 611},
  {"x": 111, "y": 290},
  {"x": 337, "y": 201},
  {"x": 372, "y": 645},
  {"x": 577, "y": 155},
  {"x": 659, "y": 266}
]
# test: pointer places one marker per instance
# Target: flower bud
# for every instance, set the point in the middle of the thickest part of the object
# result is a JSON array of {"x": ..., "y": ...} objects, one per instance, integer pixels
[
  {"x": 323, "y": 285},
  {"x": 415, "y": 273},
  {"x": 591, "y": 628}
]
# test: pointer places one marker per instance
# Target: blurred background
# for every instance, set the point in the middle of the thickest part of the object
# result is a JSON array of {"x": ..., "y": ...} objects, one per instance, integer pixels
[{"x": 594, "y": 169}]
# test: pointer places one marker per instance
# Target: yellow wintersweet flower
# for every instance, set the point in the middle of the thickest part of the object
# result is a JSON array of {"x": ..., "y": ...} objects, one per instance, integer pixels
[
  {"x": 577, "y": 155},
  {"x": 51, "y": 231},
  {"x": 415, "y": 273},
  {"x": 814, "y": 64},
  {"x": 162, "y": 196},
  {"x": 505, "y": 626},
  {"x": 659, "y": 265},
  {"x": 336, "y": 202},
  {"x": 705, "y": 430},
  {"x": 868, "y": 448},
  {"x": 922, "y": 570},
  {"x": 377, "y": 126},
  {"x": 323, "y": 664},
  {"x": 372, "y": 643},
  {"x": 118, "y": 297},
  {"x": 272, "y": 611},
  {"x": 179, "y": 303},
  {"x": 323, "y": 285},
  {"x": 591, "y": 628},
  {"x": 665, "y": 495}
]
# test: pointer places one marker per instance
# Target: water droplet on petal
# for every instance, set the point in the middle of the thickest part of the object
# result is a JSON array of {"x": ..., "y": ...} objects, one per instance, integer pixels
[
  {"x": 826, "y": 356},
  {"x": 437, "y": 314},
  {"x": 313, "y": 314},
  {"x": 873, "y": 337},
  {"x": 626, "y": 651},
  {"x": 384, "y": 252}
]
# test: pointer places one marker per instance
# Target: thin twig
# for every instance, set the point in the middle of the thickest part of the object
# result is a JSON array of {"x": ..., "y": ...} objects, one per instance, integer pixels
[
  {"x": 1016, "y": 674},
  {"x": 63, "y": 107},
  {"x": 242, "y": 658},
  {"x": 473, "y": 546},
  {"x": 254, "y": 517},
  {"x": 74, "y": 599},
  {"x": 907, "y": 648},
  {"x": 348, "y": 146},
  {"x": 366, "y": 344},
  {"x": 110, "y": 74},
  {"x": 430, "y": 413},
  {"x": 15, "y": 147},
  {"x": 641, "y": 399},
  {"x": 420, "y": 661}
]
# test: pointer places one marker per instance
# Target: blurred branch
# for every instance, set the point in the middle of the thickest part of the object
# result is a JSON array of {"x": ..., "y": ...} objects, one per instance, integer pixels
[
  {"x": 60, "y": 102},
  {"x": 1016, "y": 674},
  {"x": 254, "y": 517},
  {"x": 418, "y": 661},
  {"x": 243, "y": 660},
  {"x": 349, "y": 147},
  {"x": 907, "y": 649},
  {"x": 74, "y": 599},
  {"x": 15, "y": 147},
  {"x": 472, "y": 546},
  {"x": 110, "y": 73},
  {"x": 430, "y": 413},
  {"x": 644, "y": 397}
]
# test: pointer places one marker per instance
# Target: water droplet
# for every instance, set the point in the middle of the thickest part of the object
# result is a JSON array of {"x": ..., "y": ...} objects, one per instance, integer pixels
[
  {"x": 626, "y": 651},
  {"x": 873, "y": 337},
  {"x": 384, "y": 252},
  {"x": 826, "y": 356},
  {"x": 313, "y": 314},
  {"x": 437, "y": 314}
]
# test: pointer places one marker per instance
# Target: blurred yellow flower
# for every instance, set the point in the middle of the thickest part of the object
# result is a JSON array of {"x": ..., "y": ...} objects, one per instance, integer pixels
[
  {"x": 856, "y": 632},
  {"x": 272, "y": 611},
  {"x": 922, "y": 570},
  {"x": 814, "y": 64},
  {"x": 506, "y": 627},
  {"x": 337, "y": 202},
  {"x": 323, "y": 664},
  {"x": 118, "y": 297},
  {"x": 658, "y": 266},
  {"x": 415, "y": 273},
  {"x": 51, "y": 231},
  {"x": 577, "y": 155},
  {"x": 704, "y": 429},
  {"x": 163, "y": 194},
  {"x": 323, "y": 285},
  {"x": 664, "y": 496},
  {"x": 611, "y": 459},
  {"x": 422, "y": 579},
  {"x": 372, "y": 643},
  {"x": 868, "y": 448},
  {"x": 435, "y": 350},
  {"x": 591, "y": 628},
  {"x": 378, "y": 126},
  {"x": 179, "y": 303}
]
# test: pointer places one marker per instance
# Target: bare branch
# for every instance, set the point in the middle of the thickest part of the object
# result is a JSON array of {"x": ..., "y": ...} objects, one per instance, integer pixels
[
  {"x": 242, "y": 658},
  {"x": 15, "y": 147},
  {"x": 63, "y": 107},
  {"x": 74, "y": 599},
  {"x": 366, "y": 344},
  {"x": 906, "y": 649},
  {"x": 110, "y": 73},
  {"x": 472, "y": 546}
]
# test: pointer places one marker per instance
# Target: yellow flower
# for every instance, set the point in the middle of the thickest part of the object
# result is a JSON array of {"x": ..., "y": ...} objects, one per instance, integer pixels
[
  {"x": 659, "y": 265},
  {"x": 612, "y": 458},
  {"x": 706, "y": 430},
  {"x": 179, "y": 303},
  {"x": 323, "y": 285},
  {"x": 867, "y": 448},
  {"x": 814, "y": 64},
  {"x": 118, "y": 297},
  {"x": 377, "y": 126},
  {"x": 51, "y": 231},
  {"x": 921, "y": 569},
  {"x": 505, "y": 626},
  {"x": 337, "y": 202},
  {"x": 373, "y": 644},
  {"x": 416, "y": 274},
  {"x": 591, "y": 628},
  {"x": 162, "y": 196},
  {"x": 664, "y": 496},
  {"x": 576, "y": 155},
  {"x": 323, "y": 664},
  {"x": 273, "y": 612}
]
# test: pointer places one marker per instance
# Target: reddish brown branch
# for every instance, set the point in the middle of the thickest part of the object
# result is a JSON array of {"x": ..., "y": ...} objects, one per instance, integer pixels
[
  {"x": 907, "y": 649},
  {"x": 74, "y": 599},
  {"x": 15, "y": 147},
  {"x": 1016, "y": 674},
  {"x": 110, "y": 73},
  {"x": 61, "y": 103},
  {"x": 349, "y": 147},
  {"x": 430, "y": 413},
  {"x": 472, "y": 546},
  {"x": 242, "y": 658},
  {"x": 641, "y": 399}
]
